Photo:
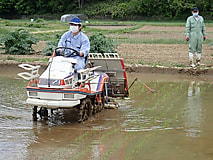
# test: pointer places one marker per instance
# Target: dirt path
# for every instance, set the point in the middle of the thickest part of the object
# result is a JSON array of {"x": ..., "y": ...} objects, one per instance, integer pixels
[
  {"x": 162, "y": 54},
  {"x": 168, "y": 28},
  {"x": 107, "y": 27},
  {"x": 148, "y": 28}
]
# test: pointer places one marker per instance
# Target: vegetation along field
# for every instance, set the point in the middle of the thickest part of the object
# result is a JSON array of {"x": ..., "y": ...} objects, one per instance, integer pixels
[{"x": 140, "y": 42}]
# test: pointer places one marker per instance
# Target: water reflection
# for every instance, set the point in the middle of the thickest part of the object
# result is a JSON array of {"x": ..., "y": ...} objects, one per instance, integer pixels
[
  {"x": 15, "y": 124},
  {"x": 134, "y": 131},
  {"x": 97, "y": 150},
  {"x": 193, "y": 113}
]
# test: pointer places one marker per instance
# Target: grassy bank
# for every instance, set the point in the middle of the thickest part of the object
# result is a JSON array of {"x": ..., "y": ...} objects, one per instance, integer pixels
[{"x": 45, "y": 29}]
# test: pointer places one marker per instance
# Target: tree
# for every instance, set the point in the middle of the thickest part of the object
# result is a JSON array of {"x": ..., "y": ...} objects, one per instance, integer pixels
[
  {"x": 7, "y": 6},
  {"x": 109, "y": 8},
  {"x": 80, "y": 3},
  {"x": 26, "y": 7}
]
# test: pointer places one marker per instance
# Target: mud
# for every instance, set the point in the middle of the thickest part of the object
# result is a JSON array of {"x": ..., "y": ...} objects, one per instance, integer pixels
[
  {"x": 130, "y": 68},
  {"x": 162, "y": 54},
  {"x": 174, "y": 122},
  {"x": 168, "y": 55},
  {"x": 167, "y": 28}
]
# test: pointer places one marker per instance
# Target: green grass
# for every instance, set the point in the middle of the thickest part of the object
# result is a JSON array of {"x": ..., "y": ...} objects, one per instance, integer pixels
[
  {"x": 150, "y": 41},
  {"x": 26, "y": 59},
  {"x": 50, "y": 36},
  {"x": 152, "y": 23},
  {"x": 3, "y": 31},
  {"x": 10, "y": 58},
  {"x": 7, "y": 26},
  {"x": 120, "y": 40},
  {"x": 41, "y": 25}
]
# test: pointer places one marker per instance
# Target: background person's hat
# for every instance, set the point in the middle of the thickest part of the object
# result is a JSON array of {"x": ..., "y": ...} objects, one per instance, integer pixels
[
  {"x": 76, "y": 21},
  {"x": 195, "y": 9}
]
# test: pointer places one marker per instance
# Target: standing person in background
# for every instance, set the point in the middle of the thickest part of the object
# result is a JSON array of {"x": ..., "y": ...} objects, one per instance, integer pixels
[
  {"x": 77, "y": 40},
  {"x": 195, "y": 34}
]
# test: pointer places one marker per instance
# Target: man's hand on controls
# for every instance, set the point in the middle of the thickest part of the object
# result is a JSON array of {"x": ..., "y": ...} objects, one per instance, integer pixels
[{"x": 81, "y": 54}]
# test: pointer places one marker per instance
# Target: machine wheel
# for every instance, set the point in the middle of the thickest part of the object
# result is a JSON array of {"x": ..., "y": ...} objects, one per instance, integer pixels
[
  {"x": 43, "y": 112},
  {"x": 35, "y": 113},
  {"x": 85, "y": 110},
  {"x": 101, "y": 105},
  {"x": 103, "y": 99},
  {"x": 98, "y": 107}
]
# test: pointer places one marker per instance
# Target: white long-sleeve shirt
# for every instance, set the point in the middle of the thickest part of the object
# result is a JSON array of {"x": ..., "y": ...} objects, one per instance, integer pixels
[{"x": 80, "y": 42}]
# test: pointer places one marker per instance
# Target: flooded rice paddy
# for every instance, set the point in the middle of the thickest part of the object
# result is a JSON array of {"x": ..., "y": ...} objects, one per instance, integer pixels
[{"x": 175, "y": 122}]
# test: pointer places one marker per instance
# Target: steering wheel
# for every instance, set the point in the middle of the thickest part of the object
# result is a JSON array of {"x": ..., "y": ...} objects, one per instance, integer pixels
[{"x": 58, "y": 51}]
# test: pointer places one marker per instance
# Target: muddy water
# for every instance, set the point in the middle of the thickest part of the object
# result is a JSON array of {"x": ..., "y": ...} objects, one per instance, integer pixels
[{"x": 174, "y": 122}]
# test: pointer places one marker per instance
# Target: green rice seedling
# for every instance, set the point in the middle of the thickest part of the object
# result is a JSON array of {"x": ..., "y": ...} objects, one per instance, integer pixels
[
  {"x": 4, "y": 31},
  {"x": 141, "y": 62},
  {"x": 28, "y": 59},
  {"x": 150, "y": 41},
  {"x": 81, "y": 137},
  {"x": 10, "y": 58}
]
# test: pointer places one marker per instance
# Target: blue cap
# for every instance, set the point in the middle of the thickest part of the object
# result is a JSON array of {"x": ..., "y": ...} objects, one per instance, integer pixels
[
  {"x": 195, "y": 9},
  {"x": 76, "y": 21}
]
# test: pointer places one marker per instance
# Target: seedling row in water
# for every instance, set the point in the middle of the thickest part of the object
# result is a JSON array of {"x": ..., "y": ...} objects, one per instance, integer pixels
[{"x": 151, "y": 117}]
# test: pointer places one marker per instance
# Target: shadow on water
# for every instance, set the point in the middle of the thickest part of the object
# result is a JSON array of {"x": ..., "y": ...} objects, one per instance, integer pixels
[{"x": 174, "y": 122}]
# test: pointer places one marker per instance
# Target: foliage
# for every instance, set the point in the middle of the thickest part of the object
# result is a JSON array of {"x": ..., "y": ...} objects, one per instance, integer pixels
[
  {"x": 147, "y": 8},
  {"x": 39, "y": 20},
  {"x": 3, "y": 31},
  {"x": 51, "y": 45},
  {"x": 113, "y": 9},
  {"x": 18, "y": 42},
  {"x": 100, "y": 44},
  {"x": 109, "y": 8},
  {"x": 7, "y": 6}
]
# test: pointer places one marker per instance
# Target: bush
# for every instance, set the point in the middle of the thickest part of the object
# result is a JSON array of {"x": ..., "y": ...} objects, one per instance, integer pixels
[
  {"x": 39, "y": 20},
  {"x": 4, "y": 31},
  {"x": 51, "y": 45},
  {"x": 100, "y": 44},
  {"x": 18, "y": 42}
]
